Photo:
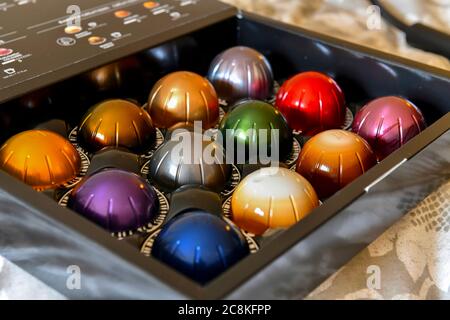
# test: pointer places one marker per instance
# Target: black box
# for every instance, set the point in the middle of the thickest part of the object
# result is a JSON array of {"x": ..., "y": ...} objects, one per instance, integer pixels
[{"x": 45, "y": 239}]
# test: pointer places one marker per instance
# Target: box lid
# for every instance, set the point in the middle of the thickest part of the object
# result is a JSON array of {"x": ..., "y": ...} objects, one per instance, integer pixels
[{"x": 46, "y": 41}]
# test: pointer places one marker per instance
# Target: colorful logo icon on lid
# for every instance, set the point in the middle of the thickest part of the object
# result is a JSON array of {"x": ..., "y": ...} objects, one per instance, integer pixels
[
  {"x": 150, "y": 4},
  {"x": 72, "y": 29},
  {"x": 122, "y": 14},
  {"x": 5, "y": 52},
  {"x": 95, "y": 40}
]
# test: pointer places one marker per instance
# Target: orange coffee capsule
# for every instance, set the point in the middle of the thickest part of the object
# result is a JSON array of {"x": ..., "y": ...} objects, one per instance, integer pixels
[
  {"x": 40, "y": 158},
  {"x": 332, "y": 159}
]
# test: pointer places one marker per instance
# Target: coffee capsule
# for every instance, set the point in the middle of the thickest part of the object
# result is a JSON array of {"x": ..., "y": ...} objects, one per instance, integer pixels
[
  {"x": 116, "y": 200},
  {"x": 188, "y": 160},
  {"x": 200, "y": 245},
  {"x": 40, "y": 158},
  {"x": 332, "y": 159},
  {"x": 253, "y": 129},
  {"x": 117, "y": 123},
  {"x": 241, "y": 73},
  {"x": 183, "y": 97},
  {"x": 272, "y": 198},
  {"x": 387, "y": 123},
  {"x": 312, "y": 102}
]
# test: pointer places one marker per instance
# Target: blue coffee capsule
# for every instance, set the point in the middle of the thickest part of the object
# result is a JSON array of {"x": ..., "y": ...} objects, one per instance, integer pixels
[{"x": 200, "y": 245}]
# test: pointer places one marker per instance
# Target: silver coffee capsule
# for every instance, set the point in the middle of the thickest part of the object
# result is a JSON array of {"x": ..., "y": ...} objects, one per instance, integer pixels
[
  {"x": 240, "y": 73},
  {"x": 188, "y": 160}
]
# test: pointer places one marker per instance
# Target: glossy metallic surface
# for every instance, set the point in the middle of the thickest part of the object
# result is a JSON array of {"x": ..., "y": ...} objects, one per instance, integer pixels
[
  {"x": 183, "y": 97},
  {"x": 117, "y": 123},
  {"x": 173, "y": 55},
  {"x": 243, "y": 124},
  {"x": 40, "y": 158},
  {"x": 41, "y": 100},
  {"x": 240, "y": 73},
  {"x": 200, "y": 245},
  {"x": 312, "y": 102},
  {"x": 332, "y": 159},
  {"x": 272, "y": 198},
  {"x": 115, "y": 199},
  {"x": 387, "y": 123},
  {"x": 114, "y": 76},
  {"x": 191, "y": 197},
  {"x": 181, "y": 161}
]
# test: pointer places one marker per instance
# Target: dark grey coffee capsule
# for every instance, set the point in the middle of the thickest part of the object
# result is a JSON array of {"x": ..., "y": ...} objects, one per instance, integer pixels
[{"x": 188, "y": 160}]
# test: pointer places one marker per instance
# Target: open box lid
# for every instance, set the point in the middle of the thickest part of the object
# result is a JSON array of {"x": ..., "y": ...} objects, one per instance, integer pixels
[{"x": 41, "y": 42}]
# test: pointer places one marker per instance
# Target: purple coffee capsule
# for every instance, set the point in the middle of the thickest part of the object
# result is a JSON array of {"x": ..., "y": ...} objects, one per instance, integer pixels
[{"x": 117, "y": 200}]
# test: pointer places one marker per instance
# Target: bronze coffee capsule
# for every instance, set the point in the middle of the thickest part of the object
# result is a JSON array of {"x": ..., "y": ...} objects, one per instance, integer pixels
[
  {"x": 332, "y": 159},
  {"x": 117, "y": 123}
]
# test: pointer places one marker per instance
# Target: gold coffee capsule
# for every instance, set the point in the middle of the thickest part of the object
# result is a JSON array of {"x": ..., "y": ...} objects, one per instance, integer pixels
[{"x": 183, "y": 97}]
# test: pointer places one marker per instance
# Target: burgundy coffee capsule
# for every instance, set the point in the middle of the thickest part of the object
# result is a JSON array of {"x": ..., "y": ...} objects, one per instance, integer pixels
[{"x": 387, "y": 123}]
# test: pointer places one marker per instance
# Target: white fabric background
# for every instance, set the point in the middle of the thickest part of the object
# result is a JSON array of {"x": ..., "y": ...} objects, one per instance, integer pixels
[{"x": 347, "y": 19}]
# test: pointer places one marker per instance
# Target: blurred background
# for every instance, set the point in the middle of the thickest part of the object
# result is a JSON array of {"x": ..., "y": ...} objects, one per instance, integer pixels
[{"x": 357, "y": 21}]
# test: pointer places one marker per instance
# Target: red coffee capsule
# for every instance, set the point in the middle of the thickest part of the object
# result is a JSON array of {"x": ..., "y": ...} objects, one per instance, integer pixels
[{"x": 312, "y": 102}]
